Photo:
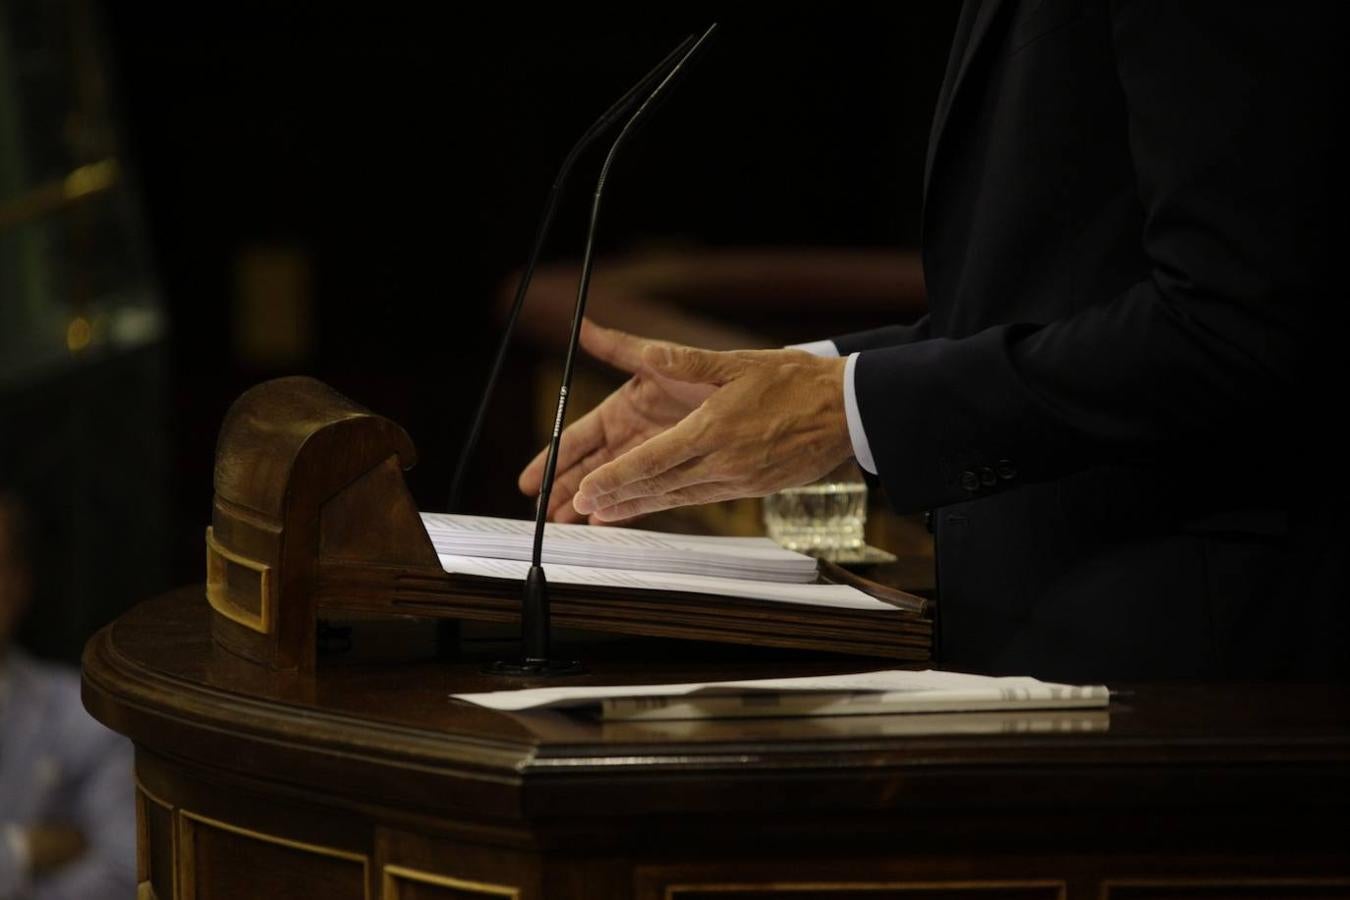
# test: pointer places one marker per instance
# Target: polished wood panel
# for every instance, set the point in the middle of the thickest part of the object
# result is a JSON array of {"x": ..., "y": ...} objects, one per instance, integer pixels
[
  {"x": 221, "y": 861},
  {"x": 1186, "y": 791}
]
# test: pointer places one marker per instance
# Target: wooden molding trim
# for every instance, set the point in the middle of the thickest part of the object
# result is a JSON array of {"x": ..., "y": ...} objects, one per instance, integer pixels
[
  {"x": 392, "y": 875},
  {"x": 145, "y": 889},
  {"x": 217, "y": 594}
]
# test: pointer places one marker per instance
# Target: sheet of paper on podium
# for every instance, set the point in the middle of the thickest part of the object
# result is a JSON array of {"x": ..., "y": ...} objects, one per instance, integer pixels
[{"x": 877, "y": 692}]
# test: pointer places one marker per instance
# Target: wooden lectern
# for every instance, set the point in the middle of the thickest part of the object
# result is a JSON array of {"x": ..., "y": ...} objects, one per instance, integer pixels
[
  {"x": 311, "y": 515},
  {"x": 263, "y": 774}
]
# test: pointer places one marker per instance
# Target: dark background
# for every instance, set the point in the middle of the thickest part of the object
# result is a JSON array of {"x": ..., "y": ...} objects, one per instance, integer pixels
[{"x": 404, "y": 154}]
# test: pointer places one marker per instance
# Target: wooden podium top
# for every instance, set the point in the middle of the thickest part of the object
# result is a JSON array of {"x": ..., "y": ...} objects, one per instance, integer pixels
[{"x": 390, "y": 733}]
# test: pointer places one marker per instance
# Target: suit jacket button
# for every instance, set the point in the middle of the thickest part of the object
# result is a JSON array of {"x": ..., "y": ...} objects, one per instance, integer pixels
[
  {"x": 970, "y": 482},
  {"x": 1005, "y": 469},
  {"x": 987, "y": 476}
]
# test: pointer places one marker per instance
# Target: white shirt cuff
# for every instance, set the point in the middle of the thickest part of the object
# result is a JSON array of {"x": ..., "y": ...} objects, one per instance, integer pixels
[
  {"x": 861, "y": 450},
  {"x": 816, "y": 348}
]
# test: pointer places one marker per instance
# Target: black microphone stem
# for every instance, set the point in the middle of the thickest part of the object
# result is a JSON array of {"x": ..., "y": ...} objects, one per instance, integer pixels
[
  {"x": 551, "y": 465},
  {"x": 534, "y": 613},
  {"x": 602, "y": 124}
]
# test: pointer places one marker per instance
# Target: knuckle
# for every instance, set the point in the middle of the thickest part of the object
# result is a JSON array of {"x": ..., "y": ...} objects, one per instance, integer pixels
[{"x": 692, "y": 361}]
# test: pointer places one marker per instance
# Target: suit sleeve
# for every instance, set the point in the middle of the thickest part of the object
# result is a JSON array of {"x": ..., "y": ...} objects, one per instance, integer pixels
[
  {"x": 888, "y": 336},
  {"x": 1237, "y": 170}
]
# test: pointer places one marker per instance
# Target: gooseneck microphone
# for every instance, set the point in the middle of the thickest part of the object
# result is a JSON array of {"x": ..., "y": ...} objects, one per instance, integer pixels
[
  {"x": 621, "y": 106},
  {"x": 535, "y": 658}
]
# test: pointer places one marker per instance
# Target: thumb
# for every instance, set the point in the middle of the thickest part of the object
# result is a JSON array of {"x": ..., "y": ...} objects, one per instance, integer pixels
[{"x": 693, "y": 364}]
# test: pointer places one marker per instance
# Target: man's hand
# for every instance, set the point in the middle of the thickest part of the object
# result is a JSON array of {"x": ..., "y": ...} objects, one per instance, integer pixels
[
  {"x": 648, "y": 404},
  {"x": 51, "y": 847},
  {"x": 776, "y": 419}
]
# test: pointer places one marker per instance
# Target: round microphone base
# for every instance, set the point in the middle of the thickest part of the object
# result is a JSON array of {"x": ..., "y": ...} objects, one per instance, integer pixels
[{"x": 534, "y": 668}]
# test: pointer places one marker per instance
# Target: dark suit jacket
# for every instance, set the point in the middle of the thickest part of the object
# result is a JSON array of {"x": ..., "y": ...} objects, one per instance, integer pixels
[{"x": 1119, "y": 402}]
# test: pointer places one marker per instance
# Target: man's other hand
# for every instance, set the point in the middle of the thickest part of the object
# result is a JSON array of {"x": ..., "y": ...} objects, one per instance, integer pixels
[
  {"x": 647, "y": 405},
  {"x": 774, "y": 419}
]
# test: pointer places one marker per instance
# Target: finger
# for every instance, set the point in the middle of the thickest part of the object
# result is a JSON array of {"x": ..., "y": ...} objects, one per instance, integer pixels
[
  {"x": 531, "y": 477},
  {"x": 618, "y": 348},
  {"x": 579, "y": 438},
  {"x": 642, "y": 506},
  {"x": 564, "y": 487},
  {"x": 692, "y": 364},
  {"x": 569, "y": 483},
  {"x": 560, "y": 503},
  {"x": 666, "y": 450},
  {"x": 566, "y": 484},
  {"x": 616, "y": 523},
  {"x": 569, "y": 516},
  {"x": 694, "y": 471}
]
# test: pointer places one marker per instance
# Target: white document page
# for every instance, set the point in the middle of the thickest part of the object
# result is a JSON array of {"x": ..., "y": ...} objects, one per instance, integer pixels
[{"x": 619, "y": 548}]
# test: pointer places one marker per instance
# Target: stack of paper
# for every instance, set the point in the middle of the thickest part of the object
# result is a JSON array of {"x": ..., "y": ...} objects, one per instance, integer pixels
[
  {"x": 757, "y": 559},
  {"x": 622, "y": 580},
  {"x": 889, "y": 691},
  {"x": 837, "y": 596}
]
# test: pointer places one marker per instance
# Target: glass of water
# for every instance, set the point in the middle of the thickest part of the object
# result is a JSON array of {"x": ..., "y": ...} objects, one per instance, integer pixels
[{"x": 823, "y": 519}]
